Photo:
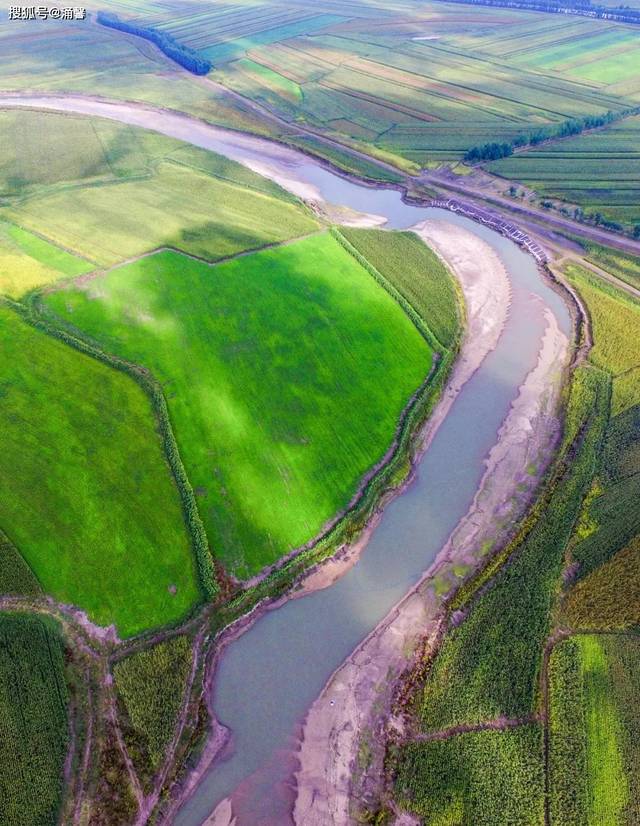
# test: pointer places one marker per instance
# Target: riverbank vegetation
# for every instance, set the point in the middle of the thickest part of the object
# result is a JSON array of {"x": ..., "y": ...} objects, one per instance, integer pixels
[
  {"x": 150, "y": 685},
  {"x": 91, "y": 503},
  {"x": 271, "y": 356},
  {"x": 417, "y": 273},
  {"x": 573, "y": 567},
  {"x": 33, "y": 720}
]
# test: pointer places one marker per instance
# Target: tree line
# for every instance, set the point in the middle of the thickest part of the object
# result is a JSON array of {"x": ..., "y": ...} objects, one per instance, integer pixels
[
  {"x": 495, "y": 150},
  {"x": 183, "y": 55},
  {"x": 619, "y": 14}
]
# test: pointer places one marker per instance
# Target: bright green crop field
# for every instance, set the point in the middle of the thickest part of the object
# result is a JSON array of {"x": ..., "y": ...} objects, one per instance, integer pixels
[
  {"x": 285, "y": 373},
  {"x": 33, "y": 720},
  {"x": 88, "y": 497},
  {"x": 594, "y": 726}
]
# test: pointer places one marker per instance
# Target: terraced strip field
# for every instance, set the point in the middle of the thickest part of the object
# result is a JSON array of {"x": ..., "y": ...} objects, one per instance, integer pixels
[
  {"x": 89, "y": 499},
  {"x": 271, "y": 355},
  {"x": 600, "y": 172},
  {"x": 33, "y": 720}
]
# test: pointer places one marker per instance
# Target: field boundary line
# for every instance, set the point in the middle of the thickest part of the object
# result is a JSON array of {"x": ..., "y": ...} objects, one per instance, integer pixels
[
  {"x": 31, "y": 313},
  {"x": 497, "y": 724}
]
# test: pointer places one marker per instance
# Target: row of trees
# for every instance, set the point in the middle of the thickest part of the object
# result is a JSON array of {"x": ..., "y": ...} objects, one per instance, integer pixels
[
  {"x": 619, "y": 14},
  {"x": 186, "y": 57},
  {"x": 494, "y": 151}
]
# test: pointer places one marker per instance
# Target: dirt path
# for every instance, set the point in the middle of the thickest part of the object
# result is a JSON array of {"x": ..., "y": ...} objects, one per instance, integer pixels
[
  {"x": 499, "y": 724},
  {"x": 594, "y": 268}
]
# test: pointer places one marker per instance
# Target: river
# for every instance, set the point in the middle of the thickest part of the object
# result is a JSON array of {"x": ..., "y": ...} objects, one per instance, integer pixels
[{"x": 269, "y": 676}]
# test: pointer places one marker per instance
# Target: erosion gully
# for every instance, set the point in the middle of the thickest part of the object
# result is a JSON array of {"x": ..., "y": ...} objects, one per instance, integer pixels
[{"x": 270, "y": 675}]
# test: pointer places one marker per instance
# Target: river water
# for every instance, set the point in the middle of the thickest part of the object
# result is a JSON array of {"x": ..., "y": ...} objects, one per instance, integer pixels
[{"x": 268, "y": 677}]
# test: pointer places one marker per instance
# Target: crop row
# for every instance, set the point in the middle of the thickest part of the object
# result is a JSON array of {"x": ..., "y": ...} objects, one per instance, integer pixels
[
  {"x": 33, "y": 720},
  {"x": 150, "y": 685},
  {"x": 593, "y": 731},
  {"x": 472, "y": 778}
]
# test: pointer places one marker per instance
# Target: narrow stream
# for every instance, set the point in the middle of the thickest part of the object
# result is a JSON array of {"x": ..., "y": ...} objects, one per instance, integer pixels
[{"x": 268, "y": 678}]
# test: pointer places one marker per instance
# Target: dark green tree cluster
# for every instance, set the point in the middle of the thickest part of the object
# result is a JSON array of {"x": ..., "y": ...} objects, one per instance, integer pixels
[
  {"x": 183, "y": 55},
  {"x": 495, "y": 151}
]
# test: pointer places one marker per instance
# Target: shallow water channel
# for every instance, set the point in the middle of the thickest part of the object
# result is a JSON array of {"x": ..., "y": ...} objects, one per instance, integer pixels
[{"x": 269, "y": 676}]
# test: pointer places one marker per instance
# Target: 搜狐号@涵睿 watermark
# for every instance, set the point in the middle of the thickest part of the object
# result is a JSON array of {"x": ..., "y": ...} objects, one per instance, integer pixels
[{"x": 47, "y": 13}]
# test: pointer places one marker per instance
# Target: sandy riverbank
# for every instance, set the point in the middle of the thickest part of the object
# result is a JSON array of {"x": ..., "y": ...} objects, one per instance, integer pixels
[{"x": 347, "y": 719}]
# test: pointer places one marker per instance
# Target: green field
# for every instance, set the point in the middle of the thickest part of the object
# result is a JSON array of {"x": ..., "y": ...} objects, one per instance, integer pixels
[
  {"x": 487, "y": 777},
  {"x": 610, "y": 519},
  {"x": 88, "y": 498},
  {"x": 267, "y": 364},
  {"x": 488, "y": 667},
  {"x": 609, "y": 597},
  {"x": 599, "y": 171},
  {"x": 418, "y": 274},
  {"x": 615, "y": 318},
  {"x": 150, "y": 685},
  {"x": 33, "y": 720},
  {"x": 625, "y": 267},
  {"x": 125, "y": 192},
  {"x": 27, "y": 261},
  {"x": 594, "y": 726}
]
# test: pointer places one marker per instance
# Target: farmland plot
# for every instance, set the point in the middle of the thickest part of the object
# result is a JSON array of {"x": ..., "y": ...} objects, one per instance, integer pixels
[
  {"x": 88, "y": 496},
  {"x": 273, "y": 356},
  {"x": 33, "y": 720},
  {"x": 594, "y": 729}
]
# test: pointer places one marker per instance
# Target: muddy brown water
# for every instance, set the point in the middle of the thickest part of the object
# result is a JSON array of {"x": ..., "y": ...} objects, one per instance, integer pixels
[{"x": 269, "y": 676}]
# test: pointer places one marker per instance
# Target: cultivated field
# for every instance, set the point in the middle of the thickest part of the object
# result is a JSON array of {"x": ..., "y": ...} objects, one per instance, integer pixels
[
  {"x": 150, "y": 686},
  {"x": 131, "y": 191},
  {"x": 89, "y": 499},
  {"x": 477, "y": 777},
  {"x": 599, "y": 171},
  {"x": 269, "y": 356},
  {"x": 418, "y": 273},
  {"x": 33, "y": 720},
  {"x": 594, "y": 727}
]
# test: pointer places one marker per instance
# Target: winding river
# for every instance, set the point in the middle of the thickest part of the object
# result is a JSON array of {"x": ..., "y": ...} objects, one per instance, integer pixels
[{"x": 269, "y": 676}]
